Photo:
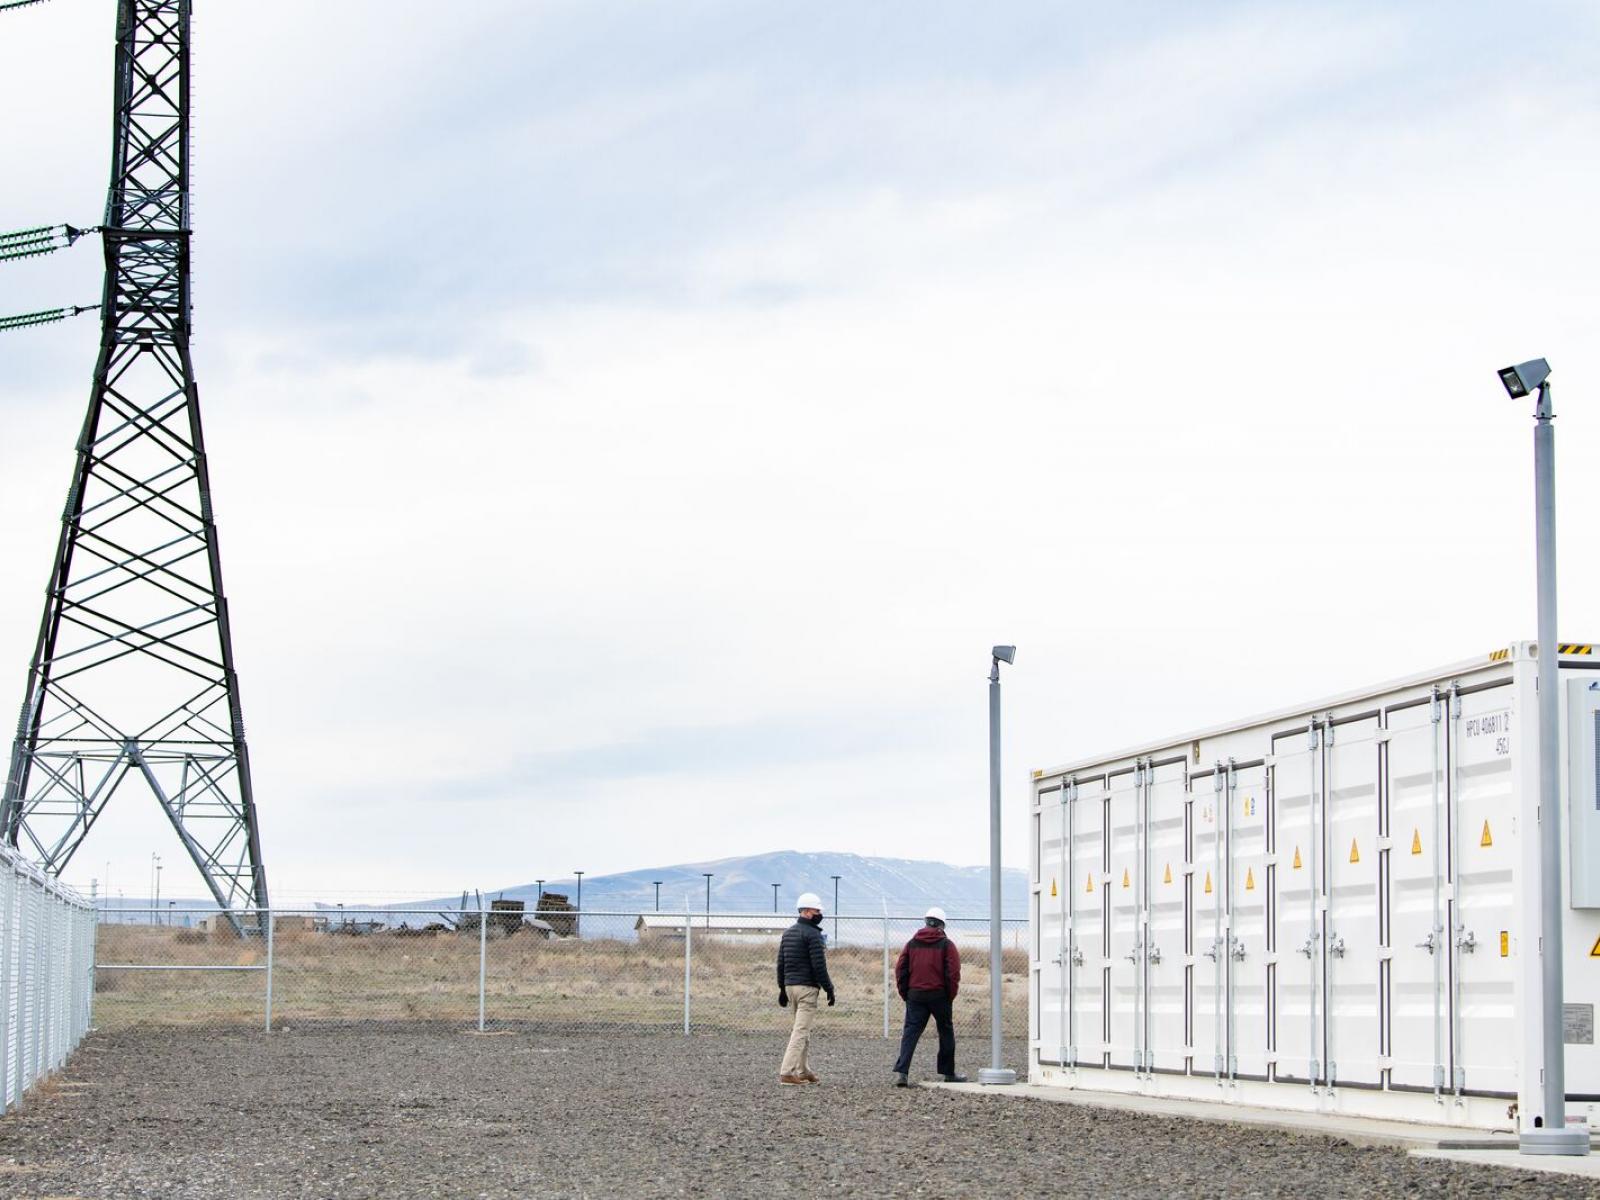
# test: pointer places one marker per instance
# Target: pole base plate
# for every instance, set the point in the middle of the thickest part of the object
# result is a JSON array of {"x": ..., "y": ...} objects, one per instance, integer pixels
[
  {"x": 1004, "y": 1075},
  {"x": 1573, "y": 1140}
]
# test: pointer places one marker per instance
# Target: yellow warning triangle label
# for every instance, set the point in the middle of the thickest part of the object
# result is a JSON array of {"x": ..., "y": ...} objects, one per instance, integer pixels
[
  {"x": 1089, "y": 885},
  {"x": 1208, "y": 883},
  {"x": 1488, "y": 838},
  {"x": 1052, "y": 886},
  {"x": 1297, "y": 858},
  {"x": 1249, "y": 879},
  {"x": 1594, "y": 951},
  {"x": 1124, "y": 876},
  {"x": 1416, "y": 841},
  {"x": 1355, "y": 851},
  {"x": 1168, "y": 877}
]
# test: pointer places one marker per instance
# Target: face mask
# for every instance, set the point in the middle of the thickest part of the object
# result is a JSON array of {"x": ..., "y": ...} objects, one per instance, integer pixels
[{"x": 816, "y": 920}]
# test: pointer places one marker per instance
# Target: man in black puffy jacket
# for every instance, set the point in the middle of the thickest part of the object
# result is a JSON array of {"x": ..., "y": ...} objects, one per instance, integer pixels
[{"x": 802, "y": 977}]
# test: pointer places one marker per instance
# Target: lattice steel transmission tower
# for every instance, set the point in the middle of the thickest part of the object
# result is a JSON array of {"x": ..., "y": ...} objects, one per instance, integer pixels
[{"x": 133, "y": 671}]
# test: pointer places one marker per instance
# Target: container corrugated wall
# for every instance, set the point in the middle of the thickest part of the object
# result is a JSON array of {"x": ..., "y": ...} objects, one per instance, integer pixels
[{"x": 1331, "y": 910}]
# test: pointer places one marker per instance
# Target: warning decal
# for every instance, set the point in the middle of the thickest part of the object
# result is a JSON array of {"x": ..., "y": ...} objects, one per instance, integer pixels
[
  {"x": 1052, "y": 886},
  {"x": 1488, "y": 838},
  {"x": 1594, "y": 951},
  {"x": 1416, "y": 841},
  {"x": 1208, "y": 888},
  {"x": 1249, "y": 879},
  {"x": 1505, "y": 943},
  {"x": 1089, "y": 886},
  {"x": 1297, "y": 858},
  {"x": 1355, "y": 851},
  {"x": 1168, "y": 877},
  {"x": 1124, "y": 876}
]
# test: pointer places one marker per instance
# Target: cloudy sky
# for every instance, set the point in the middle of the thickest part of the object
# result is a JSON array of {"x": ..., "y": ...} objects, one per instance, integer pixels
[{"x": 631, "y": 425}]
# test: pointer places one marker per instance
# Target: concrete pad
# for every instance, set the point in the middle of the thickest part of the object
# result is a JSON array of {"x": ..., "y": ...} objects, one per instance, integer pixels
[
  {"x": 1358, "y": 1131},
  {"x": 1554, "y": 1164}
]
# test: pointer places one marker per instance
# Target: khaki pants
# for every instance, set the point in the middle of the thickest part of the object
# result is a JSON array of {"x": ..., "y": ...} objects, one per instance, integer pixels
[{"x": 803, "y": 1002}]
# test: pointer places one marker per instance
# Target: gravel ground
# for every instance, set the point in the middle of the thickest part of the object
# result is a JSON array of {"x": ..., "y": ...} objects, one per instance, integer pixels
[{"x": 439, "y": 1112}]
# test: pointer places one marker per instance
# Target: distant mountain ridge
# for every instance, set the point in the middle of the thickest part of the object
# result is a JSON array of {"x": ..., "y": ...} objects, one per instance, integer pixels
[{"x": 744, "y": 884}]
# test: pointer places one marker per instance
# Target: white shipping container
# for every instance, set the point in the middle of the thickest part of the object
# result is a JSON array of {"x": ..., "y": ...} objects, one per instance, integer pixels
[{"x": 1332, "y": 908}]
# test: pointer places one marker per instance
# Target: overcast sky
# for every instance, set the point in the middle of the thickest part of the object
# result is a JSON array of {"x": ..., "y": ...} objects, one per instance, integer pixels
[{"x": 632, "y": 425}]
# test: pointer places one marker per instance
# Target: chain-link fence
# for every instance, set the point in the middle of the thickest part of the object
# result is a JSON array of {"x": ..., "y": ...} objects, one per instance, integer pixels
[
  {"x": 490, "y": 969},
  {"x": 46, "y": 970}
]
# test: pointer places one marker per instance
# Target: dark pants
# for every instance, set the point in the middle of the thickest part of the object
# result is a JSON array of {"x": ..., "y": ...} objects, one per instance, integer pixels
[{"x": 917, "y": 1014}]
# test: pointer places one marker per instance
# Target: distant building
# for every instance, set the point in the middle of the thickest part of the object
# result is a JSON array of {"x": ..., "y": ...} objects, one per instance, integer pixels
[{"x": 653, "y": 927}]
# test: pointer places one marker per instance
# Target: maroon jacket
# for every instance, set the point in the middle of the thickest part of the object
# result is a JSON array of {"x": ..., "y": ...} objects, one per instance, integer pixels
[{"x": 929, "y": 963}]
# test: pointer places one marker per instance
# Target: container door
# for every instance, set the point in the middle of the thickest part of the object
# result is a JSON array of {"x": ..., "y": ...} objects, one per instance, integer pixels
[
  {"x": 1417, "y": 998},
  {"x": 1127, "y": 952},
  {"x": 1051, "y": 923},
  {"x": 1296, "y": 791},
  {"x": 1483, "y": 852},
  {"x": 1087, "y": 961},
  {"x": 1351, "y": 999},
  {"x": 1247, "y": 923},
  {"x": 1168, "y": 797},
  {"x": 1209, "y": 1003}
]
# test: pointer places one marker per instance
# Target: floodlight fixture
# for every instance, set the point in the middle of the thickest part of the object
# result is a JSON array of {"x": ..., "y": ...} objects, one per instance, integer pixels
[
  {"x": 1006, "y": 654},
  {"x": 1524, "y": 377}
]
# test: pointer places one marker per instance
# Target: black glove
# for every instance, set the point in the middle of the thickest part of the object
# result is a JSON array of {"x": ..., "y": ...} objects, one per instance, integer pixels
[
  {"x": 830, "y": 997},
  {"x": 783, "y": 997}
]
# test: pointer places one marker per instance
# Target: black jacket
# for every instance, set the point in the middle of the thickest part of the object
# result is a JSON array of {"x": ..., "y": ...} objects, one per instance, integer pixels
[{"x": 802, "y": 958}]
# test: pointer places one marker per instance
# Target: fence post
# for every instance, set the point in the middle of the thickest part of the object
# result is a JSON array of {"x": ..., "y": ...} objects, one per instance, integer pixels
[
  {"x": 270, "y": 923},
  {"x": 885, "y": 968},
  {"x": 687, "y": 957},
  {"x": 8, "y": 889},
  {"x": 93, "y": 919},
  {"x": 483, "y": 958}
]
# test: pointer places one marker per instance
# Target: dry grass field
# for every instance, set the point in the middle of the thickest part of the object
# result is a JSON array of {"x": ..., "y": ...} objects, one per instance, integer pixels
[{"x": 433, "y": 977}]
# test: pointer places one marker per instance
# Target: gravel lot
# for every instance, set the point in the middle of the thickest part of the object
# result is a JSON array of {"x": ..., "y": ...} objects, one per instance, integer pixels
[{"x": 440, "y": 1112}]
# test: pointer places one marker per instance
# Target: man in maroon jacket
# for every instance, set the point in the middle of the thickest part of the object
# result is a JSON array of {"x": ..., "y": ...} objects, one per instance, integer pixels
[{"x": 928, "y": 973}]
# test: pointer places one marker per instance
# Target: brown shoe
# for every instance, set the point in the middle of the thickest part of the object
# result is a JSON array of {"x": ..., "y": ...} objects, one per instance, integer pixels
[
  {"x": 809, "y": 1077},
  {"x": 791, "y": 1080}
]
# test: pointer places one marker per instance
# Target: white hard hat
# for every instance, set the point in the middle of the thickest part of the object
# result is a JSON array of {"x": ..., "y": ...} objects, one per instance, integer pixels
[
  {"x": 809, "y": 900},
  {"x": 934, "y": 914}
]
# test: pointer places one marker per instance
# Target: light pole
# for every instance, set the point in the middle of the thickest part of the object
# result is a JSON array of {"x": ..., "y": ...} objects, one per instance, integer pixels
[
  {"x": 994, "y": 1072},
  {"x": 656, "y": 883},
  {"x": 156, "y": 917},
  {"x": 835, "y": 879},
  {"x": 1550, "y": 1134},
  {"x": 708, "y": 875},
  {"x": 774, "y": 897}
]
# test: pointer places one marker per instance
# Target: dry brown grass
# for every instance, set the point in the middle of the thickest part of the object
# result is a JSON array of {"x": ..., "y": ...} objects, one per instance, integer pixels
[{"x": 393, "y": 977}]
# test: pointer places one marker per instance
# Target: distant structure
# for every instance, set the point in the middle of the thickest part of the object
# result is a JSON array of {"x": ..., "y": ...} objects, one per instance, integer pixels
[{"x": 133, "y": 669}]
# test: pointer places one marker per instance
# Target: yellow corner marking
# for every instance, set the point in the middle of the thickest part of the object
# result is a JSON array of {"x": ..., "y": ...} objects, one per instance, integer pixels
[
  {"x": 1208, "y": 883},
  {"x": 1499, "y": 655},
  {"x": 1249, "y": 879},
  {"x": 1168, "y": 877},
  {"x": 1039, "y": 773},
  {"x": 1416, "y": 841},
  {"x": 1574, "y": 648},
  {"x": 1089, "y": 885},
  {"x": 1297, "y": 858},
  {"x": 1124, "y": 876},
  {"x": 1355, "y": 851},
  {"x": 1488, "y": 838},
  {"x": 1594, "y": 951},
  {"x": 1052, "y": 886},
  {"x": 1505, "y": 943}
]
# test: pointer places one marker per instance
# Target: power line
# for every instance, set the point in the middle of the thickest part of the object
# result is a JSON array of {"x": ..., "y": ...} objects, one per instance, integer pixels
[
  {"x": 47, "y": 316},
  {"x": 42, "y": 239},
  {"x": 18, "y": 4}
]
